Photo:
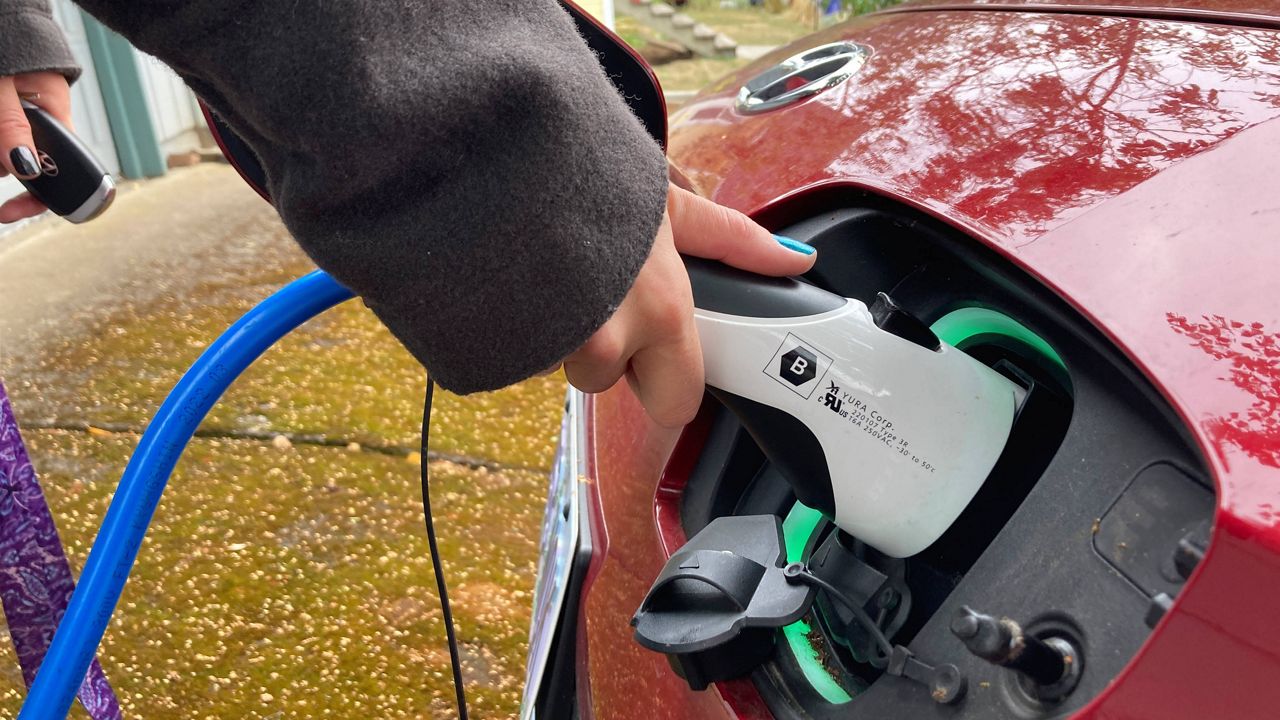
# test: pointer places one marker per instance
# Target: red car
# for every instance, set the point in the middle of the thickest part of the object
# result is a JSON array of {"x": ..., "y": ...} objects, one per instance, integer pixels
[{"x": 1086, "y": 196}]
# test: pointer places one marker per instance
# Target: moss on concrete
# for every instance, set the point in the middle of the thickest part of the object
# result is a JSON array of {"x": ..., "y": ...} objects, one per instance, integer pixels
[
  {"x": 280, "y": 582},
  {"x": 342, "y": 375}
]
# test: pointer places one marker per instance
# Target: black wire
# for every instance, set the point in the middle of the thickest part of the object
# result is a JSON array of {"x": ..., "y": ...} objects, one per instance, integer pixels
[
  {"x": 435, "y": 557},
  {"x": 858, "y": 613}
]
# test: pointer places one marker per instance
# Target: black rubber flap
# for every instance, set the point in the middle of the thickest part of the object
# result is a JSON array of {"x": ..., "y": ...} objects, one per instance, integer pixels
[{"x": 715, "y": 605}]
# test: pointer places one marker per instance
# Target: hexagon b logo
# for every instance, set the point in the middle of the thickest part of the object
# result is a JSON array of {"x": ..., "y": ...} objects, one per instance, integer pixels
[{"x": 798, "y": 366}]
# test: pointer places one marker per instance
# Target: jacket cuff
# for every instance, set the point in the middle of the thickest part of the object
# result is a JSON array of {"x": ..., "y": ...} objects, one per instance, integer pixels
[
  {"x": 495, "y": 343},
  {"x": 33, "y": 42}
]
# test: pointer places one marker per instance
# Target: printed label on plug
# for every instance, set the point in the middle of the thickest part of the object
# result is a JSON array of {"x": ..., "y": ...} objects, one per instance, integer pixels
[{"x": 798, "y": 366}]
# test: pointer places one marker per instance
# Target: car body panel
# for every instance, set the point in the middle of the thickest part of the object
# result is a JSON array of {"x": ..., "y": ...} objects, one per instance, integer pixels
[
  {"x": 1009, "y": 124},
  {"x": 1232, "y": 11},
  {"x": 1119, "y": 160},
  {"x": 627, "y": 680},
  {"x": 1191, "y": 302}
]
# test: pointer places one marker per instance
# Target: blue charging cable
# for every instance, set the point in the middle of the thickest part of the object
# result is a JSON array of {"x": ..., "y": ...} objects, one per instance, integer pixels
[{"x": 116, "y": 547}]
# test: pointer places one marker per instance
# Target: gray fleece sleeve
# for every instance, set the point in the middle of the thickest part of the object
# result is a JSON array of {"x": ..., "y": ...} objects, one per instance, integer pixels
[
  {"x": 464, "y": 166},
  {"x": 30, "y": 40}
]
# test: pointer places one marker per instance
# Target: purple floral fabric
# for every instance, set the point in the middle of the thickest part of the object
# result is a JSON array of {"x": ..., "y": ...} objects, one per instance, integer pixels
[{"x": 35, "y": 579}]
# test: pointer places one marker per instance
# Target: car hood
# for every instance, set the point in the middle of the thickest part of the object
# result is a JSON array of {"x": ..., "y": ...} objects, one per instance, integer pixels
[
  {"x": 1261, "y": 12},
  {"x": 1129, "y": 164}
]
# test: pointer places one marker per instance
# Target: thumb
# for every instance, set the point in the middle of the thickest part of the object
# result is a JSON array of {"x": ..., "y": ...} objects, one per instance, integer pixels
[{"x": 707, "y": 230}]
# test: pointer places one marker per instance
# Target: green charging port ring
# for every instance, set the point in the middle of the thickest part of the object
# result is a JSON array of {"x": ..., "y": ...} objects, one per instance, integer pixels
[
  {"x": 797, "y": 527},
  {"x": 960, "y": 328}
]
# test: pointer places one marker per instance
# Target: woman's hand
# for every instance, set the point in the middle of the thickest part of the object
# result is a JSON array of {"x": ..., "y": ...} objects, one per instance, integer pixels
[
  {"x": 18, "y": 152},
  {"x": 651, "y": 339}
]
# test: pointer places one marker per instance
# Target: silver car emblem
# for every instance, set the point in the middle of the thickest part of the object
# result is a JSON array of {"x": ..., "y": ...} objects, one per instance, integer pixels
[
  {"x": 801, "y": 76},
  {"x": 48, "y": 167}
]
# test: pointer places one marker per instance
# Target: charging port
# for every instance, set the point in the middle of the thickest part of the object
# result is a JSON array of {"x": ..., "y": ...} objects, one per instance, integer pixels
[{"x": 1052, "y": 538}]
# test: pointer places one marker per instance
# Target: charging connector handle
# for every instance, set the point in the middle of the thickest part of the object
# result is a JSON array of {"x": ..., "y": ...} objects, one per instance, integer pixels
[
  {"x": 116, "y": 547},
  {"x": 871, "y": 421}
]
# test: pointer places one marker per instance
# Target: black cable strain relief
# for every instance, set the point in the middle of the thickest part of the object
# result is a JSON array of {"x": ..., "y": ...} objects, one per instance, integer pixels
[
  {"x": 898, "y": 661},
  {"x": 796, "y": 573}
]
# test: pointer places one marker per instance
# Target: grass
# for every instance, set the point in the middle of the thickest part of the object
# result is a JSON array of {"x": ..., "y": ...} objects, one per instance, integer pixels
[
  {"x": 696, "y": 73},
  {"x": 633, "y": 33},
  {"x": 748, "y": 25},
  {"x": 689, "y": 74}
]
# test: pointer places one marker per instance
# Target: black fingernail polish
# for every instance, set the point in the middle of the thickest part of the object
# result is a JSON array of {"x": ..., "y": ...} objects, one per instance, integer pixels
[{"x": 24, "y": 162}]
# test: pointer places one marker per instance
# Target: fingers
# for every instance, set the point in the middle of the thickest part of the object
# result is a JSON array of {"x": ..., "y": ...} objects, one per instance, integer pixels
[
  {"x": 668, "y": 378},
  {"x": 651, "y": 339},
  {"x": 22, "y": 206},
  {"x": 598, "y": 364},
  {"x": 50, "y": 91},
  {"x": 16, "y": 145},
  {"x": 18, "y": 153},
  {"x": 704, "y": 229}
]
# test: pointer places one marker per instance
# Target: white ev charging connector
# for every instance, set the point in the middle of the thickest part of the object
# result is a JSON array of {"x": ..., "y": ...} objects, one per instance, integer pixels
[{"x": 871, "y": 419}]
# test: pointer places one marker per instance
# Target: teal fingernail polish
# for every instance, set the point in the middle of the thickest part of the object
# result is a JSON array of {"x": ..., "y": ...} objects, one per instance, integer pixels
[{"x": 795, "y": 245}]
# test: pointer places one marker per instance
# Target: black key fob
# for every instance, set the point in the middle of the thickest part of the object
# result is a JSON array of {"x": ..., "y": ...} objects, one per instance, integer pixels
[{"x": 72, "y": 182}]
